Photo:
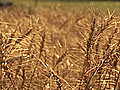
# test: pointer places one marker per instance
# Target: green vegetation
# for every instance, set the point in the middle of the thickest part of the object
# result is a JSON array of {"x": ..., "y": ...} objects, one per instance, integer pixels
[{"x": 72, "y": 6}]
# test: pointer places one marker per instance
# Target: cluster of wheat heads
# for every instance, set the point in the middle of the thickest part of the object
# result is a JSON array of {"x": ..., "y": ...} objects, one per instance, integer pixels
[
  {"x": 49, "y": 49},
  {"x": 101, "y": 53}
]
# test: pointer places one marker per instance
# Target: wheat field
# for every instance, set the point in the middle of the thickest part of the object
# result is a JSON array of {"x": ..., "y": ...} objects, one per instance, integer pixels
[{"x": 50, "y": 49}]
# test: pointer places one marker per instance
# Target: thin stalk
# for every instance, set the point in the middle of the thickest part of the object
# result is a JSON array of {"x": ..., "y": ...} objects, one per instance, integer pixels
[{"x": 1, "y": 58}]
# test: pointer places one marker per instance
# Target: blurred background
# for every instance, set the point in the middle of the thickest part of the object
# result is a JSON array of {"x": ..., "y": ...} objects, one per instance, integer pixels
[{"x": 71, "y": 5}]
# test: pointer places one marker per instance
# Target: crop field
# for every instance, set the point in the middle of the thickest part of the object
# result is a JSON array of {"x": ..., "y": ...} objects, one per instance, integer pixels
[
  {"x": 55, "y": 49},
  {"x": 72, "y": 5}
]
